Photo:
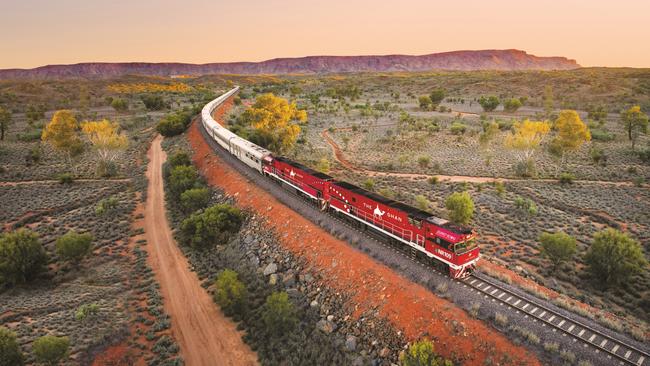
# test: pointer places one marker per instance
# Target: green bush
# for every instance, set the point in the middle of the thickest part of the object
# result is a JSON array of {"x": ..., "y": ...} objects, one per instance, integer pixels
[
  {"x": 433, "y": 180},
  {"x": 74, "y": 247},
  {"x": 214, "y": 225},
  {"x": 85, "y": 311},
  {"x": 566, "y": 178},
  {"x": 511, "y": 105},
  {"x": 153, "y": 102},
  {"x": 230, "y": 292},
  {"x": 182, "y": 178},
  {"x": 120, "y": 104},
  {"x": 106, "y": 169},
  {"x": 601, "y": 135},
  {"x": 279, "y": 314},
  {"x": 457, "y": 128},
  {"x": 22, "y": 257},
  {"x": 10, "y": 353},
  {"x": 31, "y": 135},
  {"x": 489, "y": 103},
  {"x": 179, "y": 158},
  {"x": 558, "y": 247},
  {"x": 422, "y": 202},
  {"x": 369, "y": 184},
  {"x": 106, "y": 205},
  {"x": 65, "y": 178},
  {"x": 176, "y": 122},
  {"x": 422, "y": 353},
  {"x": 598, "y": 156},
  {"x": 460, "y": 207},
  {"x": 195, "y": 199},
  {"x": 51, "y": 350},
  {"x": 614, "y": 257},
  {"x": 526, "y": 168}
]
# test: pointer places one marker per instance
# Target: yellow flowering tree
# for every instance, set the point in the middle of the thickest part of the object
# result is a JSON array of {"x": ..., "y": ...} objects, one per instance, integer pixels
[
  {"x": 572, "y": 133},
  {"x": 274, "y": 121},
  {"x": 62, "y": 133},
  {"x": 525, "y": 140},
  {"x": 107, "y": 140}
]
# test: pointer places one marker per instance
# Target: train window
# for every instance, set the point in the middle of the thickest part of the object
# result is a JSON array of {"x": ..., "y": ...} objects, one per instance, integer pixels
[
  {"x": 443, "y": 243},
  {"x": 414, "y": 222}
]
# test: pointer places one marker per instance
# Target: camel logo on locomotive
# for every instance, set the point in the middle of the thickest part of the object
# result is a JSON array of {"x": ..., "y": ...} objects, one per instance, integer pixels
[
  {"x": 378, "y": 212},
  {"x": 292, "y": 174}
]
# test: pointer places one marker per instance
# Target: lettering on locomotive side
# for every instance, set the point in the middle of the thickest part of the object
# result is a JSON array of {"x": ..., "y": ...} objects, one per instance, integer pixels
[
  {"x": 394, "y": 217},
  {"x": 444, "y": 254},
  {"x": 445, "y": 236},
  {"x": 367, "y": 206}
]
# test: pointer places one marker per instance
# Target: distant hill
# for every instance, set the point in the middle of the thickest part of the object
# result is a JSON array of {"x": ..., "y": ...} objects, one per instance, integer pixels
[{"x": 457, "y": 60}]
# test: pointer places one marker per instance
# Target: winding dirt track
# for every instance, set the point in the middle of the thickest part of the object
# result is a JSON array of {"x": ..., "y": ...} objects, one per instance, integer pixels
[{"x": 205, "y": 335}]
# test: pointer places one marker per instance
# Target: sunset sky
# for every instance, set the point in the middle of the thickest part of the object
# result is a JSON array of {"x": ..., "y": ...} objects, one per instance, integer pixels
[{"x": 594, "y": 32}]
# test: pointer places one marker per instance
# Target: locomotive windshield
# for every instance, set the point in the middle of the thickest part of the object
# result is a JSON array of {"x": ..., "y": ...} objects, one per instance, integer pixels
[{"x": 464, "y": 247}]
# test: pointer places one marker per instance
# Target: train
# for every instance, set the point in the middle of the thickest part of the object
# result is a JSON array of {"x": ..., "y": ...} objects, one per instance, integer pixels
[{"x": 451, "y": 248}]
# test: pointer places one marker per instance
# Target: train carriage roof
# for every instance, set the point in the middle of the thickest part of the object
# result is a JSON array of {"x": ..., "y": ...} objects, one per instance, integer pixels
[{"x": 306, "y": 169}]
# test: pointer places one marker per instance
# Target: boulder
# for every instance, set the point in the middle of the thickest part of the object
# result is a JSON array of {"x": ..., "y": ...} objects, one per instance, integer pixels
[
  {"x": 326, "y": 326},
  {"x": 271, "y": 268},
  {"x": 351, "y": 343}
]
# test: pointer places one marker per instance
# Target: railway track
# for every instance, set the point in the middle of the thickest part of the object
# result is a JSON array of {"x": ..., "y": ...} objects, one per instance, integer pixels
[{"x": 615, "y": 350}]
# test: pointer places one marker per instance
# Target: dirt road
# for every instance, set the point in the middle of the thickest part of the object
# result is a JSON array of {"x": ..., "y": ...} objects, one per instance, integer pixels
[{"x": 205, "y": 335}]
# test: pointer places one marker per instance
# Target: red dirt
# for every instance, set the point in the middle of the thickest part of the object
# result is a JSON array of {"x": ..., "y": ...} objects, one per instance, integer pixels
[
  {"x": 204, "y": 334},
  {"x": 119, "y": 355},
  {"x": 371, "y": 286}
]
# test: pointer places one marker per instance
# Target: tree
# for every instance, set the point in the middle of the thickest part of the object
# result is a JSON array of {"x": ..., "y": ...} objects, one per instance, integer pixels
[
  {"x": 422, "y": 353},
  {"x": 490, "y": 130},
  {"x": 182, "y": 178},
  {"x": 425, "y": 103},
  {"x": 511, "y": 105},
  {"x": 195, "y": 199},
  {"x": 437, "y": 96},
  {"x": 10, "y": 353},
  {"x": 422, "y": 202},
  {"x": 614, "y": 257},
  {"x": 525, "y": 140},
  {"x": 279, "y": 314},
  {"x": 120, "y": 104},
  {"x": 460, "y": 207},
  {"x": 572, "y": 133},
  {"x": 214, "y": 225},
  {"x": 62, "y": 134},
  {"x": 230, "y": 292},
  {"x": 273, "y": 120},
  {"x": 22, "y": 257},
  {"x": 73, "y": 246},
  {"x": 107, "y": 140},
  {"x": 179, "y": 158},
  {"x": 489, "y": 103},
  {"x": 5, "y": 121},
  {"x": 558, "y": 247},
  {"x": 635, "y": 123},
  {"x": 547, "y": 100},
  {"x": 51, "y": 350}
]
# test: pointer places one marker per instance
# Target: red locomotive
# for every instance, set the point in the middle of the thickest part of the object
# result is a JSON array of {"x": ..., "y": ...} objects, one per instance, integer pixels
[{"x": 452, "y": 247}]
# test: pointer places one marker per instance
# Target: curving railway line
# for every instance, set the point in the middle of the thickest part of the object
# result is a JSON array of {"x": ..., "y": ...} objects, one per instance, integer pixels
[{"x": 609, "y": 348}]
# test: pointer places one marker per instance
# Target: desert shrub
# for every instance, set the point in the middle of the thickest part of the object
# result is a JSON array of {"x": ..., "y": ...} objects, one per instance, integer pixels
[
  {"x": 500, "y": 319},
  {"x": 279, "y": 314},
  {"x": 566, "y": 178},
  {"x": 51, "y": 350},
  {"x": 505, "y": 125},
  {"x": 457, "y": 128},
  {"x": 31, "y": 135},
  {"x": 489, "y": 103},
  {"x": 73, "y": 246},
  {"x": 425, "y": 103},
  {"x": 526, "y": 205},
  {"x": 10, "y": 353},
  {"x": 526, "y": 168},
  {"x": 153, "y": 102},
  {"x": 214, "y": 225},
  {"x": 460, "y": 207},
  {"x": 179, "y": 158},
  {"x": 437, "y": 96},
  {"x": 424, "y": 161},
  {"x": 422, "y": 353},
  {"x": 230, "y": 292},
  {"x": 614, "y": 257},
  {"x": 433, "y": 180},
  {"x": 369, "y": 184},
  {"x": 323, "y": 165},
  {"x": 106, "y": 169},
  {"x": 175, "y": 123},
  {"x": 500, "y": 188},
  {"x": 195, "y": 199},
  {"x": 474, "y": 309},
  {"x": 568, "y": 356},
  {"x": 551, "y": 347},
  {"x": 85, "y": 311},
  {"x": 638, "y": 181},
  {"x": 22, "y": 257},
  {"x": 601, "y": 135},
  {"x": 511, "y": 105},
  {"x": 644, "y": 155},
  {"x": 182, "y": 178},
  {"x": 598, "y": 156},
  {"x": 65, "y": 178},
  {"x": 106, "y": 205},
  {"x": 558, "y": 247},
  {"x": 33, "y": 156},
  {"x": 584, "y": 363},
  {"x": 422, "y": 202},
  {"x": 120, "y": 104}
]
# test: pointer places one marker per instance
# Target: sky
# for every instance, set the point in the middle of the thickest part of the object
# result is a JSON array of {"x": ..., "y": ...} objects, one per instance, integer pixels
[{"x": 593, "y": 32}]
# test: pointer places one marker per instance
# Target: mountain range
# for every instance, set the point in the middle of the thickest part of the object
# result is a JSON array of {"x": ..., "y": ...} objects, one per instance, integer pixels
[{"x": 456, "y": 60}]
